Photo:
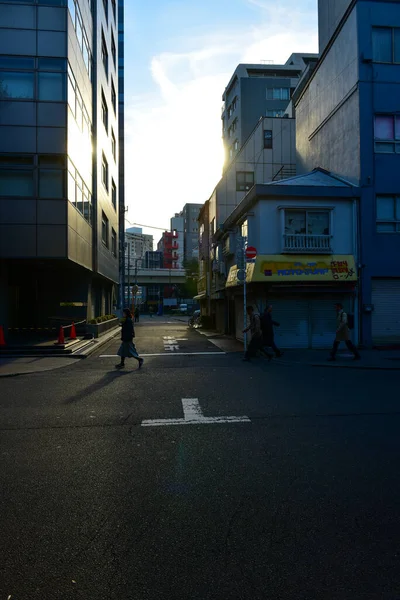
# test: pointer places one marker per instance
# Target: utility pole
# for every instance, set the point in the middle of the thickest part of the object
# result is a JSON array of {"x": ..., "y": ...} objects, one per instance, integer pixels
[{"x": 129, "y": 274}]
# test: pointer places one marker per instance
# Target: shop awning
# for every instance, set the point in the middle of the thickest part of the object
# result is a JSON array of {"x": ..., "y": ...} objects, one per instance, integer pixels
[{"x": 288, "y": 268}]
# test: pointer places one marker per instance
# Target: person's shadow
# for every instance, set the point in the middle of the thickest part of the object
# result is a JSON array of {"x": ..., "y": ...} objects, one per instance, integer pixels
[{"x": 107, "y": 379}]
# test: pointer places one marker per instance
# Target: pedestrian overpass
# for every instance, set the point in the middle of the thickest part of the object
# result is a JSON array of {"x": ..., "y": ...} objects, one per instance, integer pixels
[{"x": 155, "y": 276}]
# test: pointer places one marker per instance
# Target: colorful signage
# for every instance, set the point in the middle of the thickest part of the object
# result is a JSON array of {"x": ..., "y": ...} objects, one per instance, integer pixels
[{"x": 288, "y": 268}]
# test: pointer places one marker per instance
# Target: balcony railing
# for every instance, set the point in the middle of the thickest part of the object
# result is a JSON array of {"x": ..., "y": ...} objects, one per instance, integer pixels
[{"x": 314, "y": 244}]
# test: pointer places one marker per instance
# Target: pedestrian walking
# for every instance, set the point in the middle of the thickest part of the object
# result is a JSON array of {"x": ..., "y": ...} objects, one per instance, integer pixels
[
  {"x": 256, "y": 335},
  {"x": 342, "y": 333},
  {"x": 268, "y": 334},
  {"x": 127, "y": 349},
  {"x": 137, "y": 314}
]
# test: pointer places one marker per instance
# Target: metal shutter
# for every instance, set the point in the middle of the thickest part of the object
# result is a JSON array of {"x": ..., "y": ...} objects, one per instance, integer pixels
[
  {"x": 293, "y": 316},
  {"x": 386, "y": 313}
]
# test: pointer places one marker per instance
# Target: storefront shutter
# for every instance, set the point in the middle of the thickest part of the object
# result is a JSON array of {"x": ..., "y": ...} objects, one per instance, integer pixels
[
  {"x": 323, "y": 320},
  {"x": 294, "y": 322},
  {"x": 386, "y": 313}
]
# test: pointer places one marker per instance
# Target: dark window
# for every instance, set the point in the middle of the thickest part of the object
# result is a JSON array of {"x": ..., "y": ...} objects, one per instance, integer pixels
[
  {"x": 104, "y": 53},
  {"x": 16, "y": 182},
  {"x": 113, "y": 144},
  {"x": 16, "y": 62},
  {"x": 52, "y": 64},
  {"x": 104, "y": 172},
  {"x": 386, "y": 44},
  {"x": 18, "y": 85},
  {"x": 244, "y": 180},
  {"x": 51, "y": 183},
  {"x": 52, "y": 86},
  {"x": 278, "y": 93},
  {"x": 113, "y": 194},
  {"x": 274, "y": 113},
  {"x": 113, "y": 242},
  {"x": 268, "y": 139},
  {"x": 104, "y": 229},
  {"x": 388, "y": 214},
  {"x": 104, "y": 111},
  {"x": 114, "y": 9},
  {"x": 105, "y": 4},
  {"x": 113, "y": 96},
  {"x": 113, "y": 50},
  {"x": 387, "y": 133}
]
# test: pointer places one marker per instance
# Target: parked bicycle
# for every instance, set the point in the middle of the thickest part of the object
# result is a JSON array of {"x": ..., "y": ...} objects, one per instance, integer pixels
[{"x": 195, "y": 320}]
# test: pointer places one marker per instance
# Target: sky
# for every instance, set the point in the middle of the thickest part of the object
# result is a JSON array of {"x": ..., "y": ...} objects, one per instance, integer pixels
[{"x": 179, "y": 57}]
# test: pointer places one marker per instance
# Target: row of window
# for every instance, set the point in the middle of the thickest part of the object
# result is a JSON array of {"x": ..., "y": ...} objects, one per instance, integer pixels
[
  {"x": 105, "y": 181},
  {"x": 79, "y": 194},
  {"x": 104, "y": 118},
  {"x": 278, "y": 93},
  {"x": 232, "y": 128},
  {"x": 232, "y": 107},
  {"x": 114, "y": 9},
  {"x": 105, "y": 235},
  {"x": 387, "y": 133},
  {"x": 272, "y": 112},
  {"x": 104, "y": 52},
  {"x": 43, "y": 79},
  {"x": 77, "y": 105},
  {"x": 386, "y": 44},
  {"x": 81, "y": 34}
]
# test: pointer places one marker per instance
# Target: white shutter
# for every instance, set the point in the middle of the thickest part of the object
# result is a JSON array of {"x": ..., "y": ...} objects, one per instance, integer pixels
[
  {"x": 294, "y": 322},
  {"x": 386, "y": 313}
]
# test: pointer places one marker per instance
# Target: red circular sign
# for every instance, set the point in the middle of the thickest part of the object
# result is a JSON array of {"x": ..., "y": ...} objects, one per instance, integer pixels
[{"x": 251, "y": 252}]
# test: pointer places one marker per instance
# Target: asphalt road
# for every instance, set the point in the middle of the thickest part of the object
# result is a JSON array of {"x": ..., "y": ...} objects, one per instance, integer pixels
[{"x": 103, "y": 500}]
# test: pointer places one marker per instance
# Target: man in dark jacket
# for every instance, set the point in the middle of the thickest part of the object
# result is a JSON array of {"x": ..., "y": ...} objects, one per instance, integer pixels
[
  {"x": 267, "y": 328},
  {"x": 127, "y": 348}
]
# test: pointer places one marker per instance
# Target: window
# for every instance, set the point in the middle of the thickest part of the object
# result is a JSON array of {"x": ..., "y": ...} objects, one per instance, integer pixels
[
  {"x": 114, "y": 9},
  {"x": 113, "y": 145},
  {"x": 388, "y": 214},
  {"x": 17, "y": 85},
  {"x": 104, "y": 53},
  {"x": 113, "y": 50},
  {"x": 387, "y": 133},
  {"x": 104, "y": 230},
  {"x": 113, "y": 242},
  {"x": 113, "y": 194},
  {"x": 104, "y": 111},
  {"x": 274, "y": 113},
  {"x": 104, "y": 172},
  {"x": 386, "y": 44},
  {"x": 244, "y": 180},
  {"x": 16, "y": 182},
  {"x": 278, "y": 93},
  {"x": 52, "y": 86},
  {"x": 113, "y": 97},
  {"x": 268, "y": 139},
  {"x": 300, "y": 222}
]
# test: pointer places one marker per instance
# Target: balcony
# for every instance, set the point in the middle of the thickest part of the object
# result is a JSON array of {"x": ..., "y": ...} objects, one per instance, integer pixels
[{"x": 309, "y": 244}]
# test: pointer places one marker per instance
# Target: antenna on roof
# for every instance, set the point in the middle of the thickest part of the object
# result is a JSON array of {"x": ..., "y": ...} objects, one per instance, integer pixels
[{"x": 266, "y": 62}]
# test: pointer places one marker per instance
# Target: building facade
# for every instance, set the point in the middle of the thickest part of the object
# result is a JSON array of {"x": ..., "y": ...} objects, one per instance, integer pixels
[
  {"x": 185, "y": 223},
  {"x": 59, "y": 156},
  {"x": 348, "y": 122},
  {"x": 256, "y": 91},
  {"x": 137, "y": 244},
  {"x": 169, "y": 246}
]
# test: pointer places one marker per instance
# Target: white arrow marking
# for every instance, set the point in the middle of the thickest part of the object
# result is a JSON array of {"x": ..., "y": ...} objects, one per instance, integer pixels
[{"x": 193, "y": 416}]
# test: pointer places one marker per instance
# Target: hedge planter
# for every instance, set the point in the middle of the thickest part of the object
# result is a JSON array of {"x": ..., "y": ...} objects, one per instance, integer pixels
[{"x": 99, "y": 329}]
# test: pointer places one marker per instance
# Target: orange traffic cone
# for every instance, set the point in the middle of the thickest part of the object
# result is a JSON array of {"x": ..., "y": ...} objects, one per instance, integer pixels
[
  {"x": 61, "y": 339},
  {"x": 2, "y": 340},
  {"x": 72, "y": 335}
]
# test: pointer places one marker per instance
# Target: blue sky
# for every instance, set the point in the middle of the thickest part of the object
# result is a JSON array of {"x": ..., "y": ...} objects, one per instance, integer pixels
[{"x": 178, "y": 58}]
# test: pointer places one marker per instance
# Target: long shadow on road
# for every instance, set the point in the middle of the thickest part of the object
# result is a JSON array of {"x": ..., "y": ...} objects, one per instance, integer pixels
[{"x": 107, "y": 379}]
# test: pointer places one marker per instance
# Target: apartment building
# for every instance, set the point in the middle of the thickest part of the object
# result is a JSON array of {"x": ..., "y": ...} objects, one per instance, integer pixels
[
  {"x": 59, "y": 160},
  {"x": 255, "y": 91},
  {"x": 186, "y": 224},
  {"x": 137, "y": 243},
  {"x": 169, "y": 245}
]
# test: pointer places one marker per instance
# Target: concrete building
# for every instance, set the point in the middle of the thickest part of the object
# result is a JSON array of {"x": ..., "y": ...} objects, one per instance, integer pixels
[
  {"x": 59, "y": 156},
  {"x": 186, "y": 224},
  {"x": 121, "y": 142},
  {"x": 304, "y": 231},
  {"x": 137, "y": 243},
  {"x": 256, "y": 91},
  {"x": 169, "y": 246},
  {"x": 347, "y": 116}
]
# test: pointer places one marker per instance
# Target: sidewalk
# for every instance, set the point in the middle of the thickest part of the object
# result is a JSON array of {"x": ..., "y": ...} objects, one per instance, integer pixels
[
  {"x": 386, "y": 360},
  {"x": 10, "y": 367}
]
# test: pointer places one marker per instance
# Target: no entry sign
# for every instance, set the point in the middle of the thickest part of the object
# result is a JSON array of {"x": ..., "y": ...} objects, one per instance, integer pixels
[{"x": 251, "y": 252}]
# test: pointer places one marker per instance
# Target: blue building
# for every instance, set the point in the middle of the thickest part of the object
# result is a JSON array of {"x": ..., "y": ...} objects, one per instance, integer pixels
[{"x": 348, "y": 122}]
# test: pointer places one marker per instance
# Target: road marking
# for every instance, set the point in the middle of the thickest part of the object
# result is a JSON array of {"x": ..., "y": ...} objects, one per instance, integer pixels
[
  {"x": 170, "y": 343},
  {"x": 193, "y": 416},
  {"x": 216, "y": 353}
]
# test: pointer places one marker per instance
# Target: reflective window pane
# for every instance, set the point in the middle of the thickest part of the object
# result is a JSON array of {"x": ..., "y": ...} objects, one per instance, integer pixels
[
  {"x": 51, "y": 184},
  {"x": 52, "y": 64},
  {"x": 295, "y": 222},
  {"x": 397, "y": 45},
  {"x": 382, "y": 44},
  {"x": 71, "y": 189},
  {"x": 16, "y": 62},
  {"x": 52, "y": 86},
  {"x": 16, "y": 182},
  {"x": 16, "y": 85},
  {"x": 384, "y": 127},
  {"x": 318, "y": 223},
  {"x": 71, "y": 7}
]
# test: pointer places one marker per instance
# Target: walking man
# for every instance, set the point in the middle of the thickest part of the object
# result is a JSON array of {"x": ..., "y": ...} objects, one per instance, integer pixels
[
  {"x": 267, "y": 327},
  {"x": 256, "y": 335},
  {"x": 342, "y": 334}
]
